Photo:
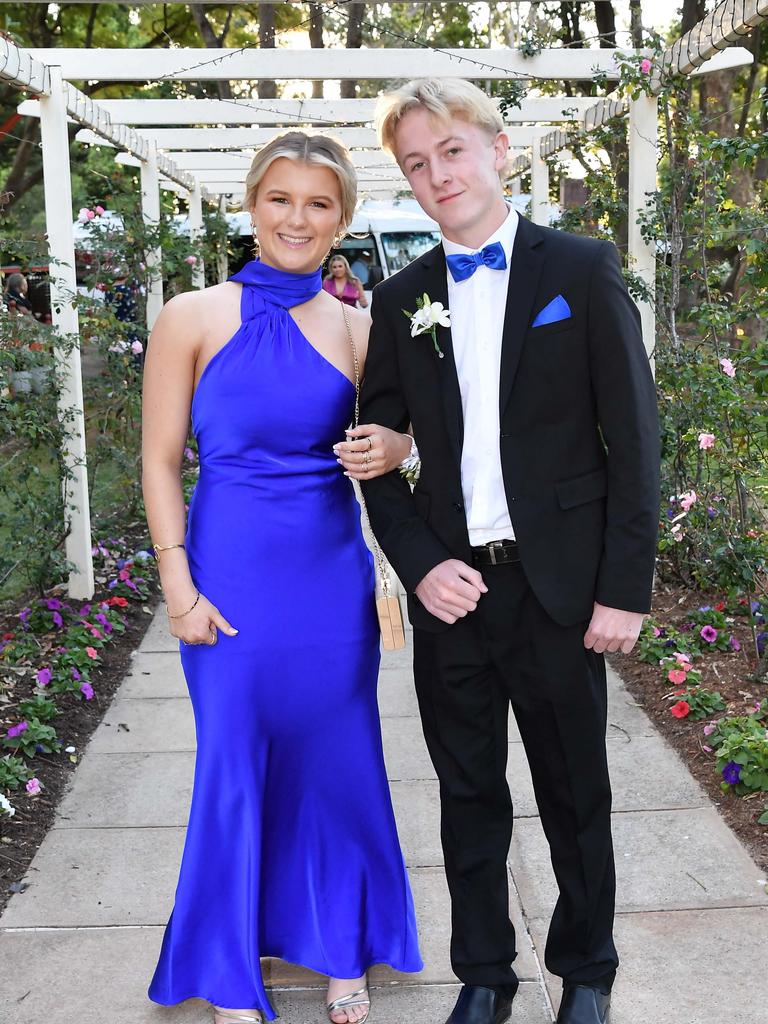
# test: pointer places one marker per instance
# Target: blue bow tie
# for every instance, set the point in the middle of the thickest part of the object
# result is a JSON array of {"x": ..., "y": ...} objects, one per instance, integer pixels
[{"x": 463, "y": 265}]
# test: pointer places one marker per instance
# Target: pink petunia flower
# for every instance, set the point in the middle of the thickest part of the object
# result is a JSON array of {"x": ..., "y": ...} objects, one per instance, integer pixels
[
  {"x": 676, "y": 676},
  {"x": 645, "y": 66},
  {"x": 709, "y": 728},
  {"x": 33, "y": 786},
  {"x": 708, "y": 633},
  {"x": 91, "y": 652},
  {"x": 683, "y": 660},
  {"x": 706, "y": 441},
  {"x": 728, "y": 368}
]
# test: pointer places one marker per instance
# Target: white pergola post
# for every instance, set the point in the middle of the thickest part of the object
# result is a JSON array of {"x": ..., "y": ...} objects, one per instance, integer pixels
[
  {"x": 643, "y": 143},
  {"x": 150, "y": 208},
  {"x": 58, "y": 215},
  {"x": 539, "y": 182},
  {"x": 196, "y": 231},
  {"x": 222, "y": 260}
]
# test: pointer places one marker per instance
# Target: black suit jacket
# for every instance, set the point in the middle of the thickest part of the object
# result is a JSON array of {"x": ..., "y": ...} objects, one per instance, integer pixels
[{"x": 579, "y": 437}]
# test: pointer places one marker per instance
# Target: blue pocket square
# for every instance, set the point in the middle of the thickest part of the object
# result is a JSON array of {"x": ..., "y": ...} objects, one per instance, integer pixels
[{"x": 557, "y": 309}]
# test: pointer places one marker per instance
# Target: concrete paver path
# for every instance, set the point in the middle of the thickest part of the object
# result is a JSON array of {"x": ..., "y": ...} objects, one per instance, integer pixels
[{"x": 80, "y": 944}]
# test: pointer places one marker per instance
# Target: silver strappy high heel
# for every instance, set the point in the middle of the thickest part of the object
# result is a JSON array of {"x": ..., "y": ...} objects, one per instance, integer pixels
[
  {"x": 222, "y": 1016},
  {"x": 359, "y": 998}
]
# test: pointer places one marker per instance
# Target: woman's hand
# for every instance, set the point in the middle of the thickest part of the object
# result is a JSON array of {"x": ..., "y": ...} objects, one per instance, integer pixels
[
  {"x": 371, "y": 450},
  {"x": 361, "y": 296},
  {"x": 200, "y": 625}
]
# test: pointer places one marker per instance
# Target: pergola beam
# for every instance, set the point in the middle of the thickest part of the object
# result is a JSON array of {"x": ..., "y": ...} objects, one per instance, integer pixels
[
  {"x": 199, "y": 65},
  {"x": 328, "y": 114}
]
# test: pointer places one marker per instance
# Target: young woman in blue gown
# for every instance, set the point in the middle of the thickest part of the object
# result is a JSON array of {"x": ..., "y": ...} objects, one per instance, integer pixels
[{"x": 291, "y": 849}]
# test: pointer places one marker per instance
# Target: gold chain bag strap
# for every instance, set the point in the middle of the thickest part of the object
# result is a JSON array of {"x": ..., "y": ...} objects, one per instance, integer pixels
[{"x": 387, "y": 598}]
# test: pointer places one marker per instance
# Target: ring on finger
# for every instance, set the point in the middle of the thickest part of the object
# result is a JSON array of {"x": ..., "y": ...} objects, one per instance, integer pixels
[
  {"x": 370, "y": 443},
  {"x": 366, "y": 458}
]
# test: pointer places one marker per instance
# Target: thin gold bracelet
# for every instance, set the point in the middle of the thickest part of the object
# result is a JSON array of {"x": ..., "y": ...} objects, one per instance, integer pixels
[
  {"x": 157, "y": 548},
  {"x": 183, "y": 613}
]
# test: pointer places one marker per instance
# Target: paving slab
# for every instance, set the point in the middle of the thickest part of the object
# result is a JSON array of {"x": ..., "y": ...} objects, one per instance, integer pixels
[
  {"x": 157, "y": 674},
  {"x": 157, "y": 637},
  {"x": 131, "y": 790},
  {"x": 405, "y": 751},
  {"x": 636, "y": 778},
  {"x": 397, "y": 693},
  {"x": 686, "y": 966},
  {"x": 162, "y": 724},
  {"x": 665, "y": 860},
  {"x": 99, "y": 876}
]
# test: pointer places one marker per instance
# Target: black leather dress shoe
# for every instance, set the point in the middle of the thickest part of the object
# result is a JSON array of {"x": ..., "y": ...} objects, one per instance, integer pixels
[
  {"x": 582, "y": 1004},
  {"x": 478, "y": 1005}
]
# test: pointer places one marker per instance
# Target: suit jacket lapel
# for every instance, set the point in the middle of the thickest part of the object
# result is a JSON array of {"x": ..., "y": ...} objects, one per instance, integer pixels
[
  {"x": 524, "y": 273},
  {"x": 436, "y": 286}
]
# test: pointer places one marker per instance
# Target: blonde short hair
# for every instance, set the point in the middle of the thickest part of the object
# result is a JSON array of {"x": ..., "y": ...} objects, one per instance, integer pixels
[
  {"x": 444, "y": 98},
  {"x": 308, "y": 149}
]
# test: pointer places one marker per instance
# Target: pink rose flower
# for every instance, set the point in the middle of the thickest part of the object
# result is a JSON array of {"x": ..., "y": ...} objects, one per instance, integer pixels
[
  {"x": 99, "y": 210},
  {"x": 645, "y": 66},
  {"x": 191, "y": 260},
  {"x": 706, "y": 441},
  {"x": 137, "y": 348},
  {"x": 728, "y": 368},
  {"x": 688, "y": 500},
  {"x": 82, "y": 214},
  {"x": 90, "y": 214}
]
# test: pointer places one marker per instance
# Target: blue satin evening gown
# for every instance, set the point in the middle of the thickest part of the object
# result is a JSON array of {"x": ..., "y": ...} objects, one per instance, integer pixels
[{"x": 291, "y": 849}]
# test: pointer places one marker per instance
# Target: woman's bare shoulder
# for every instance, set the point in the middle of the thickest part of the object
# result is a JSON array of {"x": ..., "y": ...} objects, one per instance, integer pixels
[{"x": 194, "y": 311}]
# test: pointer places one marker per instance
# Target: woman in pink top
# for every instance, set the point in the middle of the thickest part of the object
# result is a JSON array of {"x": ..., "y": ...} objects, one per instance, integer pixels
[{"x": 342, "y": 283}]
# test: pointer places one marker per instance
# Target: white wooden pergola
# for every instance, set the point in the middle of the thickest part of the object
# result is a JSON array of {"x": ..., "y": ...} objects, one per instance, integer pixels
[{"x": 203, "y": 148}]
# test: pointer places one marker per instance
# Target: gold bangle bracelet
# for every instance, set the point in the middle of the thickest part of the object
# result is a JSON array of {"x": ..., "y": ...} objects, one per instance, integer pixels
[
  {"x": 183, "y": 613},
  {"x": 157, "y": 548}
]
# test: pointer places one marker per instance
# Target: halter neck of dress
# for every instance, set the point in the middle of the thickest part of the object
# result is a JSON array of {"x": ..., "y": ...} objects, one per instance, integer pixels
[{"x": 278, "y": 287}]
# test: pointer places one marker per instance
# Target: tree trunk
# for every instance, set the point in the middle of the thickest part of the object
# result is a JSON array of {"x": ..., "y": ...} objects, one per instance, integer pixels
[
  {"x": 20, "y": 179},
  {"x": 212, "y": 42},
  {"x": 354, "y": 42},
  {"x": 316, "y": 42},
  {"x": 267, "y": 86},
  {"x": 636, "y": 23},
  {"x": 605, "y": 19}
]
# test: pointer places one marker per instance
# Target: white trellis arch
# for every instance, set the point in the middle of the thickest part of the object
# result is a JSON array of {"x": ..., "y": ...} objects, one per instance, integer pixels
[{"x": 196, "y": 146}]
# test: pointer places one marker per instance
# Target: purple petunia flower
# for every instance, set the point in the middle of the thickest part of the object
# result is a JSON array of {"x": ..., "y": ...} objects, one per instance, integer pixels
[
  {"x": 87, "y": 691},
  {"x": 709, "y": 634},
  {"x": 734, "y": 642},
  {"x": 16, "y": 730},
  {"x": 53, "y": 604},
  {"x": 761, "y": 638},
  {"x": 711, "y": 512},
  {"x": 687, "y": 627},
  {"x": 57, "y": 620},
  {"x": 44, "y": 676},
  {"x": 706, "y": 608},
  {"x": 671, "y": 513},
  {"x": 85, "y": 610},
  {"x": 669, "y": 643},
  {"x": 76, "y": 675},
  {"x": 24, "y": 615},
  {"x": 732, "y": 773},
  {"x": 102, "y": 618}
]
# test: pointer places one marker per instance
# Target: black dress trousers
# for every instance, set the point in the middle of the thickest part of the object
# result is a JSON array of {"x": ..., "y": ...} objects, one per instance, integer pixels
[{"x": 510, "y": 650}]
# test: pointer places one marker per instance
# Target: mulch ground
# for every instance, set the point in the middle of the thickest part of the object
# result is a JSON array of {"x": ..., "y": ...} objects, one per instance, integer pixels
[
  {"x": 21, "y": 835},
  {"x": 729, "y": 674}
]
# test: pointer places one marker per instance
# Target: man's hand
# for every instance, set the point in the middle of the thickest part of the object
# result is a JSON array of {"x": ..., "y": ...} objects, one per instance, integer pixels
[
  {"x": 451, "y": 590},
  {"x": 612, "y": 629}
]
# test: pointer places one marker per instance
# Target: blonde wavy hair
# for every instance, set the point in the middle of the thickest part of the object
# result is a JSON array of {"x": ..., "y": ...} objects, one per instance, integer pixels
[{"x": 309, "y": 149}]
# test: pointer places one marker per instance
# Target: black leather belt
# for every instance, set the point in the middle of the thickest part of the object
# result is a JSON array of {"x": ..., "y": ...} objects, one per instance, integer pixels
[{"x": 496, "y": 552}]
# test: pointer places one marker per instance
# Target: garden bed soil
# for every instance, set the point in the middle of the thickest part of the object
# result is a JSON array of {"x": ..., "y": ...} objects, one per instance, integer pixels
[
  {"x": 21, "y": 835},
  {"x": 728, "y": 673}
]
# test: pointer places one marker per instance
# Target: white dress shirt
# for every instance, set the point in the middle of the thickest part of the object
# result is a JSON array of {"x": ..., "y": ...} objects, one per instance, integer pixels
[{"x": 477, "y": 306}]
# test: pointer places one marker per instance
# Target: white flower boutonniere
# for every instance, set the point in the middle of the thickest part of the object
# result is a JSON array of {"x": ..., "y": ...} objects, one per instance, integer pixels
[{"x": 426, "y": 319}]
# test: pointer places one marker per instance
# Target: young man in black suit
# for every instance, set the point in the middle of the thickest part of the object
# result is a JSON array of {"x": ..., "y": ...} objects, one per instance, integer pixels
[{"x": 527, "y": 546}]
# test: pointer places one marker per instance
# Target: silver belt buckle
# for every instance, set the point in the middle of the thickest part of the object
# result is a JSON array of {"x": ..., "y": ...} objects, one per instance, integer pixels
[{"x": 492, "y": 546}]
